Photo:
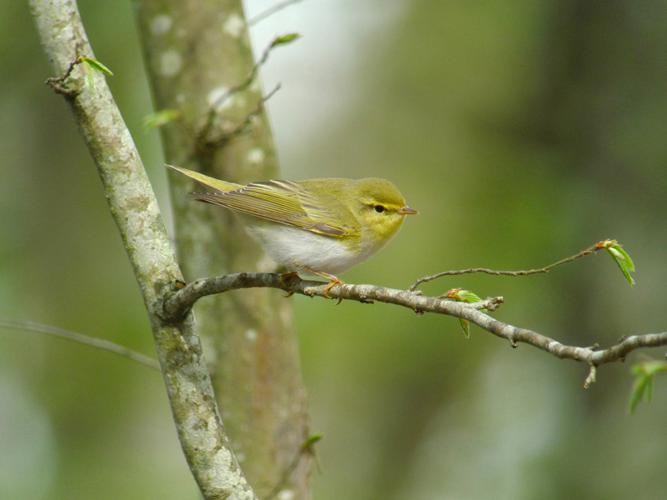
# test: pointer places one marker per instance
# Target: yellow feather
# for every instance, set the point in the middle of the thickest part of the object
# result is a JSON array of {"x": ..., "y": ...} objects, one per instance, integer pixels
[
  {"x": 211, "y": 182},
  {"x": 282, "y": 202},
  {"x": 320, "y": 225}
]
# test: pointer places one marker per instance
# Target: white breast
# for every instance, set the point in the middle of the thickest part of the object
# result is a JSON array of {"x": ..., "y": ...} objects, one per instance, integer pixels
[{"x": 297, "y": 249}]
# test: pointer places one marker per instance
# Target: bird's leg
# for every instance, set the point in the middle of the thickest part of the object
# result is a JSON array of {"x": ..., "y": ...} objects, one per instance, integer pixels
[{"x": 333, "y": 280}]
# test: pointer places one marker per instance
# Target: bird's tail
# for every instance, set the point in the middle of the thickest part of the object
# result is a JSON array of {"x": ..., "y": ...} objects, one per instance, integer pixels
[{"x": 211, "y": 182}]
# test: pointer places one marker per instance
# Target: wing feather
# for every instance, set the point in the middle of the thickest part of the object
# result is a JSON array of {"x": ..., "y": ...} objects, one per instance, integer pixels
[{"x": 283, "y": 202}]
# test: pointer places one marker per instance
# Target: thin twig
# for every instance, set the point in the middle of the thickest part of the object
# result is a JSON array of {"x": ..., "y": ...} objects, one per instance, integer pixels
[
  {"x": 203, "y": 137},
  {"x": 305, "y": 450},
  {"x": 522, "y": 272},
  {"x": 271, "y": 10},
  {"x": 57, "y": 83},
  {"x": 242, "y": 127},
  {"x": 592, "y": 376},
  {"x": 181, "y": 301},
  {"x": 80, "y": 338}
]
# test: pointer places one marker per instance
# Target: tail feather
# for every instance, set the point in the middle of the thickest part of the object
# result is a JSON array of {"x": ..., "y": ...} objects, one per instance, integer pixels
[
  {"x": 212, "y": 198},
  {"x": 211, "y": 182}
]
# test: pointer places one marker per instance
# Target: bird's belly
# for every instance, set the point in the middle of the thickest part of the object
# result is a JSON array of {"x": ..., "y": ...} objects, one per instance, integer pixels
[{"x": 297, "y": 249}]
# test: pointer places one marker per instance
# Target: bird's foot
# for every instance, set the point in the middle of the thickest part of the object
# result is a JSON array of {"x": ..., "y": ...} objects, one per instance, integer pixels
[{"x": 333, "y": 281}]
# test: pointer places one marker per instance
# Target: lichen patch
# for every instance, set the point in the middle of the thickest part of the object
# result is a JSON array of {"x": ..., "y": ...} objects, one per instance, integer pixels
[
  {"x": 234, "y": 25},
  {"x": 170, "y": 63},
  {"x": 161, "y": 24}
]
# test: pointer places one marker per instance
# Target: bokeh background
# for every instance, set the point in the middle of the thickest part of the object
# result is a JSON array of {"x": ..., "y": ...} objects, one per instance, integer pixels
[{"x": 523, "y": 131}]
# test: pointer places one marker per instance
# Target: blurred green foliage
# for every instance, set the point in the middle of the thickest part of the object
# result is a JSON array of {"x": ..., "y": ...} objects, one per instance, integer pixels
[
  {"x": 645, "y": 373},
  {"x": 521, "y": 131}
]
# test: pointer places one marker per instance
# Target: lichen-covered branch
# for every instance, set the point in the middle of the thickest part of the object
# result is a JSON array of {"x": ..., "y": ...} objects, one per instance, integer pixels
[
  {"x": 135, "y": 210},
  {"x": 180, "y": 302}
]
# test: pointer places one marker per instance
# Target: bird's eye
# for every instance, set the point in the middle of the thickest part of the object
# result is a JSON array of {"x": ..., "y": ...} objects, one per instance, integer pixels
[{"x": 379, "y": 208}]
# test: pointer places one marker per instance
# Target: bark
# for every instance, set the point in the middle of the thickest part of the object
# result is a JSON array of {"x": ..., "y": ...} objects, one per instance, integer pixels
[
  {"x": 181, "y": 301},
  {"x": 196, "y": 51},
  {"x": 135, "y": 210}
]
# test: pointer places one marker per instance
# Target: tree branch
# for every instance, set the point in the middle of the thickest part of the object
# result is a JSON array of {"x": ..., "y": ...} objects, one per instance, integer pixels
[
  {"x": 80, "y": 338},
  {"x": 136, "y": 213},
  {"x": 271, "y": 10},
  {"x": 214, "y": 143},
  {"x": 521, "y": 272},
  {"x": 204, "y": 142},
  {"x": 180, "y": 302}
]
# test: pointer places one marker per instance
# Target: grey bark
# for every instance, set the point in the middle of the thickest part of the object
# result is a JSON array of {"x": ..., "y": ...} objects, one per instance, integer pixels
[
  {"x": 181, "y": 301},
  {"x": 136, "y": 213},
  {"x": 196, "y": 51}
]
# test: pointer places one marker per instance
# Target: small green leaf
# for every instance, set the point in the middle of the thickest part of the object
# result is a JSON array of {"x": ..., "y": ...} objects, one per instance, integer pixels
[
  {"x": 651, "y": 367},
  {"x": 461, "y": 295},
  {"x": 310, "y": 441},
  {"x": 284, "y": 39},
  {"x": 645, "y": 373},
  {"x": 97, "y": 65},
  {"x": 468, "y": 296},
  {"x": 638, "y": 391},
  {"x": 161, "y": 118},
  {"x": 626, "y": 257},
  {"x": 622, "y": 259},
  {"x": 465, "y": 326}
]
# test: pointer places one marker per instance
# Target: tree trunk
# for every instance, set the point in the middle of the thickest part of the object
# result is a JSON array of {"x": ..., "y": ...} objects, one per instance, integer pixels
[{"x": 196, "y": 51}]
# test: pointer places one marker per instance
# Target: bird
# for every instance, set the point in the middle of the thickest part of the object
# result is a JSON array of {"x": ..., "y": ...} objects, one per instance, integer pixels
[{"x": 318, "y": 226}]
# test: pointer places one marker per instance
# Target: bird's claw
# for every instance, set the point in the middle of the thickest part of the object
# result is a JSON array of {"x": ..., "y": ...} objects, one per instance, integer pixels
[{"x": 328, "y": 288}]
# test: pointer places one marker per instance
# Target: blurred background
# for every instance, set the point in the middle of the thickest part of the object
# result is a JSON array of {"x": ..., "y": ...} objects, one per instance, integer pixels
[{"x": 522, "y": 131}]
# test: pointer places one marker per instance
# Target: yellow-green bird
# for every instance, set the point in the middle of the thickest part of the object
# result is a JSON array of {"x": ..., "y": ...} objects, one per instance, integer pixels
[{"x": 318, "y": 226}]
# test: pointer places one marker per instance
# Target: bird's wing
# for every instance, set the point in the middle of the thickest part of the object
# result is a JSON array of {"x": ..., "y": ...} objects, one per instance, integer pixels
[{"x": 283, "y": 202}]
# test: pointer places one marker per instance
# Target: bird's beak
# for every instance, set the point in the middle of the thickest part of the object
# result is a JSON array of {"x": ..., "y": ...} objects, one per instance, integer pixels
[{"x": 407, "y": 211}]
